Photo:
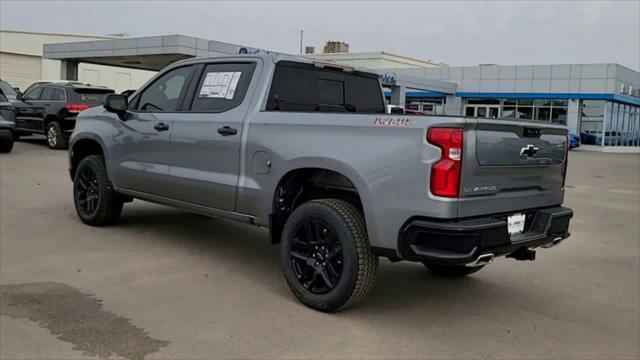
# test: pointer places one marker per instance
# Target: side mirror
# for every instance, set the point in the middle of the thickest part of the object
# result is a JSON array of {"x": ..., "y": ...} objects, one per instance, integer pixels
[{"x": 116, "y": 103}]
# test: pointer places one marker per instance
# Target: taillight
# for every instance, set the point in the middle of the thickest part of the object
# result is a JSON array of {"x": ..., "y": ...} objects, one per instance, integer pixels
[
  {"x": 566, "y": 160},
  {"x": 445, "y": 174},
  {"x": 77, "y": 107}
]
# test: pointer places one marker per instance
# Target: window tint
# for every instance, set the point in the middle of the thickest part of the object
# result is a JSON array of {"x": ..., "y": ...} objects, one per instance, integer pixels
[
  {"x": 302, "y": 87},
  {"x": 33, "y": 94},
  {"x": 58, "y": 94},
  {"x": 222, "y": 87},
  {"x": 164, "y": 94},
  {"x": 47, "y": 94}
]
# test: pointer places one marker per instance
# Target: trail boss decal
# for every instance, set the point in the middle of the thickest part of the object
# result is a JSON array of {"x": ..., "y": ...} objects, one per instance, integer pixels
[{"x": 390, "y": 122}]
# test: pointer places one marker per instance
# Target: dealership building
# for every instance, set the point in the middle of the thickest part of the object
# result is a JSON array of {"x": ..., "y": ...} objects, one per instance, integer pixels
[{"x": 601, "y": 102}]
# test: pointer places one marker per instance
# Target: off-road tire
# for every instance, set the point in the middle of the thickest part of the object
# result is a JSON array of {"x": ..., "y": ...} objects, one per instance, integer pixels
[
  {"x": 452, "y": 271},
  {"x": 55, "y": 136},
  {"x": 359, "y": 263},
  {"x": 109, "y": 203}
]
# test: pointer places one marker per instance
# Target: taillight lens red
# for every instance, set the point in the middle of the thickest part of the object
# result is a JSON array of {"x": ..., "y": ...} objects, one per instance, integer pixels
[
  {"x": 77, "y": 107},
  {"x": 566, "y": 160},
  {"x": 445, "y": 174}
]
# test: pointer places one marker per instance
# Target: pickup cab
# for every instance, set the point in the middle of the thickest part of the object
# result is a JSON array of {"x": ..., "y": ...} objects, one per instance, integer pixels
[{"x": 308, "y": 150}]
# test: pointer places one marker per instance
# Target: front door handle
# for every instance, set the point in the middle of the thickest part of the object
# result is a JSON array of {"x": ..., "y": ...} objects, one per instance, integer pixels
[
  {"x": 161, "y": 126},
  {"x": 226, "y": 131}
]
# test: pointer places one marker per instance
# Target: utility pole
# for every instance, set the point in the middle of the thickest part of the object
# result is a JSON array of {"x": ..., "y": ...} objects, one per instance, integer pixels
[{"x": 301, "y": 36}]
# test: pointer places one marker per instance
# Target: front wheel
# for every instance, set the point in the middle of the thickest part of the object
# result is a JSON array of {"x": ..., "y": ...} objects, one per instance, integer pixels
[
  {"x": 55, "y": 136},
  {"x": 452, "y": 271},
  {"x": 96, "y": 202},
  {"x": 326, "y": 257}
]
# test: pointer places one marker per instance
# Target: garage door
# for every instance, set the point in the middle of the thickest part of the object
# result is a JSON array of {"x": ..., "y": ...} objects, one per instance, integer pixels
[{"x": 20, "y": 70}]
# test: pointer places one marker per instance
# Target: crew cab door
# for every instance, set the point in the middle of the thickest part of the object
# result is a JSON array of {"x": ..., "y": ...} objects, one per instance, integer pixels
[
  {"x": 206, "y": 139},
  {"x": 141, "y": 151}
]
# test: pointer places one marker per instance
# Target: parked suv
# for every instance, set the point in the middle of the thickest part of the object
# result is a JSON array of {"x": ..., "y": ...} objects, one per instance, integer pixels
[
  {"x": 307, "y": 149},
  {"x": 51, "y": 108}
]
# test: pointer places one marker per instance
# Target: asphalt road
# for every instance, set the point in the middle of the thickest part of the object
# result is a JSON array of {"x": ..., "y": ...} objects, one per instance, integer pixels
[{"x": 168, "y": 284}]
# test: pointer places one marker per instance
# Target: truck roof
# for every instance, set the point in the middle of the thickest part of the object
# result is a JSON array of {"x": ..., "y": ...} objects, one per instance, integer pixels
[{"x": 270, "y": 57}]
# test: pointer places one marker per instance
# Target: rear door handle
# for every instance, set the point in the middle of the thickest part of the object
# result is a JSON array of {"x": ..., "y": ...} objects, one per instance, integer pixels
[
  {"x": 226, "y": 131},
  {"x": 161, "y": 126}
]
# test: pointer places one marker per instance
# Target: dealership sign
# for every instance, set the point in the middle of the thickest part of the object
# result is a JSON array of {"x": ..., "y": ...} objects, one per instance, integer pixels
[{"x": 388, "y": 78}]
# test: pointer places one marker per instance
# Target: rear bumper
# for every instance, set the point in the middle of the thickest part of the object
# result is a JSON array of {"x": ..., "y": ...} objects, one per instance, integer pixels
[
  {"x": 68, "y": 123},
  {"x": 463, "y": 241}
]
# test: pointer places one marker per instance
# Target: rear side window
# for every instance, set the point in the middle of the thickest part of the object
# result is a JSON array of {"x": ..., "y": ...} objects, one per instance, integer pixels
[
  {"x": 302, "y": 87},
  {"x": 58, "y": 94},
  {"x": 222, "y": 87}
]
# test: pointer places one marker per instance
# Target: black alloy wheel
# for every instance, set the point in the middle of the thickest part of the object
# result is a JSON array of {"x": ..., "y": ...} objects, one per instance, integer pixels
[
  {"x": 316, "y": 256},
  {"x": 95, "y": 200},
  {"x": 87, "y": 191}
]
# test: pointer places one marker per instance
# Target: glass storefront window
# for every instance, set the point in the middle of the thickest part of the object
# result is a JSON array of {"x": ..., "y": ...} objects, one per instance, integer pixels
[
  {"x": 591, "y": 121},
  {"x": 623, "y": 125},
  {"x": 525, "y": 113},
  {"x": 559, "y": 115},
  {"x": 542, "y": 113},
  {"x": 545, "y": 110}
]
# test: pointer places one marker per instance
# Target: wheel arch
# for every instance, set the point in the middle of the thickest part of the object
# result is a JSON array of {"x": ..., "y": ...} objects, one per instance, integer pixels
[
  {"x": 82, "y": 148},
  {"x": 303, "y": 183}
]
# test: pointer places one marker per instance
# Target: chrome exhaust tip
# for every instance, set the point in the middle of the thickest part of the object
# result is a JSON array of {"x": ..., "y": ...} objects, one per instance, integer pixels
[
  {"x": 555, "y": 242},
  {"x": 482, "y": 260}
]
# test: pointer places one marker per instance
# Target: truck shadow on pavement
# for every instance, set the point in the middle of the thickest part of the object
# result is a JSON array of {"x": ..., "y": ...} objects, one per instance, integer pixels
[{"x": 399, "y": 286}]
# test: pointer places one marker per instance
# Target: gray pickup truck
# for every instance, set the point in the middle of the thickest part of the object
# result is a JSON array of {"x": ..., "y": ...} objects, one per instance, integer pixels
[{"x": 308, "y": 150}]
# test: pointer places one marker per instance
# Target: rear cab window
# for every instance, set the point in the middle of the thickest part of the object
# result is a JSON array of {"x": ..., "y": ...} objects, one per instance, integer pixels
[{"x": 303, "y": 87}]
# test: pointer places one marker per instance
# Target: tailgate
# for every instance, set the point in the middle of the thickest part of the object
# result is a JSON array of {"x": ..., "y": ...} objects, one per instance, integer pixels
[{"x": 511, "y": 165}]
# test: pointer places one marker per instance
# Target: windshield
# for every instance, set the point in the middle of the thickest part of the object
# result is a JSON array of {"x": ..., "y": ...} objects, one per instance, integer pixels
[{"x": 7, "y": 90}]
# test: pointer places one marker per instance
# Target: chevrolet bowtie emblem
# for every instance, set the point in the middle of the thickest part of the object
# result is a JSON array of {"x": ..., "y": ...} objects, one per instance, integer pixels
[{"x": 529, "y": 150}]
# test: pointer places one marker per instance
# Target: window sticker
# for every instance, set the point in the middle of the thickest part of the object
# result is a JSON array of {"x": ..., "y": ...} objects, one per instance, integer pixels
[{"x": 221, "y": 85}]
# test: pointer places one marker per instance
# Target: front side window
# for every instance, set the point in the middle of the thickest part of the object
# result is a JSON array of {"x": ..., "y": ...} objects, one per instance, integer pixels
[
  {"x": 165, "y": 93},
  {"x": 302, "y": 87},
  {"x": 33, "y": 94}
]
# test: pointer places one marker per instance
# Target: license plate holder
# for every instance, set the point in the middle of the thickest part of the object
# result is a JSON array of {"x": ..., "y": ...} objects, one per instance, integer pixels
[{"x": 515, "y": 224}]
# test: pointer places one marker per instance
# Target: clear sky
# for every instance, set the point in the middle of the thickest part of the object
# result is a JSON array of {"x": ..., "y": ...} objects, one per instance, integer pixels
[{"x": 454, "y": 32}]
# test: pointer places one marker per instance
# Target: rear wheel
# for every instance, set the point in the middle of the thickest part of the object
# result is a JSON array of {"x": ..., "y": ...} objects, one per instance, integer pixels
[
  {"x": 95, "y": 201},
  {"x": 326, "y": 257},
  {"x": 55, "y": 136},
  {"x": 452, "y": 271},
  {"x": 6, "y": 142}
]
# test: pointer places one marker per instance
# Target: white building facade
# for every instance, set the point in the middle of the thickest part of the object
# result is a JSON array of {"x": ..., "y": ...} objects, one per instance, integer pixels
[{"x": 21, "y": 62}]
